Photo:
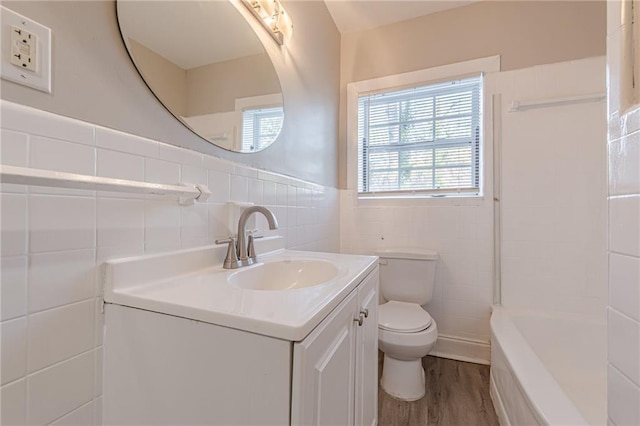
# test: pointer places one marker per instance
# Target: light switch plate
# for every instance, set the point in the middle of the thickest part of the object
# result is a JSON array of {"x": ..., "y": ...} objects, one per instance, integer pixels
[{"x": 36, "y": 73}]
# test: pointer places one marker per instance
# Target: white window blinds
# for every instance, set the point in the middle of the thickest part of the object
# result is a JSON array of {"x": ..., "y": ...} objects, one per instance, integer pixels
[
  {"x": 424, "y": 139},
  {"x": 260, "y": 127}
]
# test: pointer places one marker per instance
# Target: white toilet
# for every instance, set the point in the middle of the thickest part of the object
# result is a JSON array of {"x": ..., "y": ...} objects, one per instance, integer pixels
[{"x": 406, "y": 332}]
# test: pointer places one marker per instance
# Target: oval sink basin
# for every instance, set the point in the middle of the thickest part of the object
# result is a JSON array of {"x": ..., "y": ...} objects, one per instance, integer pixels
[{"x": 284, "y": 275}]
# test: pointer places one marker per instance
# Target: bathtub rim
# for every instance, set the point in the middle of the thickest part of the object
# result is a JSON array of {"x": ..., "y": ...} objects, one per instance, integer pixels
[{"x": 547, "y": 400}]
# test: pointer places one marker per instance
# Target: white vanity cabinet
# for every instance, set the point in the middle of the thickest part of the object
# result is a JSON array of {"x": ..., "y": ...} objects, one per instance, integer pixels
[
  {"x": 335, "y": 368},
  {"x": 167, "y": 369}
]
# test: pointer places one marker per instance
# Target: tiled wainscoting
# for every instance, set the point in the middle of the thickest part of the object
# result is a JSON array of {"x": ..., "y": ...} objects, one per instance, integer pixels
[
  {"x": 54, "y": 242},
  {"x": 461, "y": 231},
  {"x": 623, "y": 325}
]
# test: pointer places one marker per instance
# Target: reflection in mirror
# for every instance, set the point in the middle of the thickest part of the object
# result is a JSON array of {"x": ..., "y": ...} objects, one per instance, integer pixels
[{"x": 206, "y": 65}]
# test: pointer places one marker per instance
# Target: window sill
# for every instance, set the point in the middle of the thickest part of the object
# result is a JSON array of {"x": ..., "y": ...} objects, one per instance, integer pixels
[{"x": 421, "y": 200}]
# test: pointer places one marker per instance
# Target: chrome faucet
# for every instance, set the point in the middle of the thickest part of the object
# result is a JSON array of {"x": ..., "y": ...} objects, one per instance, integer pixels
[{"x": 243, "y": 253}]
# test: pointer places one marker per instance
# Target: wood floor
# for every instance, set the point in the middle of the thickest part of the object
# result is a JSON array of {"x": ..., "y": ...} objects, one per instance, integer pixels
[{"x": 457, "y": 395}]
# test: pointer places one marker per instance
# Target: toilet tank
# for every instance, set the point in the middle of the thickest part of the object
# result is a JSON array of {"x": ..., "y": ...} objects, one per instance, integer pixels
[{"x": 407, "y": 275}]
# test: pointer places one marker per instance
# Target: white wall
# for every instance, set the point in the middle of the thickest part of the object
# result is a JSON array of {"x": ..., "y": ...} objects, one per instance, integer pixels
[
  {"x": 94, "y": 80},
  {"x": 54, "y": 242},
  {"x": 553, "y": 205},
  {"x": 553, "y": 189},
  {"x": 623, "y": 373}
]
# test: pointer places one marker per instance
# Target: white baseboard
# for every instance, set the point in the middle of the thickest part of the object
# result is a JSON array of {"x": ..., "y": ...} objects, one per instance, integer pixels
[{"x": 462, "y": 350}]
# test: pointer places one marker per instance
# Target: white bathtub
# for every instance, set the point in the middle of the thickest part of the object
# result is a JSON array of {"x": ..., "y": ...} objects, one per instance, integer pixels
[{"x": 548, "y": 368}]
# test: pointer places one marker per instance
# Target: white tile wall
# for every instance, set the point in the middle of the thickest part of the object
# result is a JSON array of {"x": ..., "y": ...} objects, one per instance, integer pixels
[
  {"x": 461, "y": 231},
  {"x": 553, "y": 197},
  {"x": 623, "y": 380},
  {"x": 54, "y": 242}
]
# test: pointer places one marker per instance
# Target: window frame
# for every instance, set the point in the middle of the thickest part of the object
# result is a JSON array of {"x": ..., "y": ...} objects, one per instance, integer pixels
[{"x": 419, "y": 78}]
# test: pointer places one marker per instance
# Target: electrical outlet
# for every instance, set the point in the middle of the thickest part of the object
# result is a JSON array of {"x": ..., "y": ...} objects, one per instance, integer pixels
[{"x": 26, "y": 51}]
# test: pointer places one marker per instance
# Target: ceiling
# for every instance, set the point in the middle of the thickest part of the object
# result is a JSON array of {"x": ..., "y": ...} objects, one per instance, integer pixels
[
  {"x": 174, "y": 29},
  {"x": 358, "y": 15}
]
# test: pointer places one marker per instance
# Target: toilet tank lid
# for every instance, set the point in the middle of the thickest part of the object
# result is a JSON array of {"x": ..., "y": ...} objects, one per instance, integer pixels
[{"x": 408, "y": 253}]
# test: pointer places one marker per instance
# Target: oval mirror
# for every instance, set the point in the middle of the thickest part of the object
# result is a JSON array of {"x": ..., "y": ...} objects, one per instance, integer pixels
[{"x": 207, "y": 66}]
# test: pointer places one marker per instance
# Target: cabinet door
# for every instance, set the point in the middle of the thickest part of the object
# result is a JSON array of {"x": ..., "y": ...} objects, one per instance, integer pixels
[
  {"x": 323, "y": 370},
  {"x": 367, "y": 353}
]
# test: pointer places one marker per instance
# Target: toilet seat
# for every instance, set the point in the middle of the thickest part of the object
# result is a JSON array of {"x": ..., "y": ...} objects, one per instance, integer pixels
[{"x": 403, "y": 317}]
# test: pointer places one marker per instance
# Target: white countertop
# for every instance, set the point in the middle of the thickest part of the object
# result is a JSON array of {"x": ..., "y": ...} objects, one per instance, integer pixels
[{"x": 185, "y": 284}]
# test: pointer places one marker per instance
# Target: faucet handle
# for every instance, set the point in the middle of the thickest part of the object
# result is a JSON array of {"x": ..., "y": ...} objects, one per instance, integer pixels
[
  {"x": 251, "y": 247},
  {"x": 231, "y": 260}
]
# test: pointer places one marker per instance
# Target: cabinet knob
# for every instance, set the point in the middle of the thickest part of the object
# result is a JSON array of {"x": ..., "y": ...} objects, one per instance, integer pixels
[
  {"x": 359, "y": 320},
  {"x": 365, "y": 312}
]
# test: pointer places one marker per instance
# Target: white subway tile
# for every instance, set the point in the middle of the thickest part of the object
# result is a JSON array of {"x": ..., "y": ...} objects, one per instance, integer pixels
[
  {"x": 245, "y": 171},
  {"x": 180, "y": 155},
  {"x": 60, "y": 278},
  {"x": 97, "y": 381},
  {"x": 60, "y": 333},
  {"x": 119, "y": 165},
  {"x": 99, "y": 321},
  {"x": 624, "y": 284},
  {"x": 256, "y": 191},
  {"x": 194, "y": 223},
  {"x": 120, "y": 222},
  {"x": 269, "y": 193},
  {"x": 97, "y": 412},
  {"x": 219, "y": 222},
  {"x": 282, "y": 192},
  {"x": 13, "y": 221},
  {"x": 14, "y": 148},
  {"x": 61, "y": 156},
  {"x": 58, "y": 390},
  {"x": 187, "y": 243},
  {"x": 193, "y": 174},
  {"x": 61, "y": 223},
  {"x": 220, "y": 186},
  {"x": 624, "y": 165},
  {"x": 82, "y": 416},
  {"x": 118, "y": 141},
  {"x": 217, "y": 164},
  {"x": 53, "y": 154},
  {"x": 13, "y": 363},
  {"x": 13, "y": 291},
  {"x": 623, "y": 398},
  {"x": 623, "y": 336},
  {"x": 239, "y": 188},
  {"x": 160, "y": 171},
  {"x": 161, "y": 224},
  {"x": 37, "y": 122},
  {"x": 624, "y": 225},
  {"x": 292, "y": 196},
  {"x": 13, "y": 400}
]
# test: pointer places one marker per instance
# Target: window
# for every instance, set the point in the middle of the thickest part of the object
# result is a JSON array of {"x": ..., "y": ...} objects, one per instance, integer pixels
[
  {"x": 260, "y": 126},
  {"x": 424, "y": 139}
]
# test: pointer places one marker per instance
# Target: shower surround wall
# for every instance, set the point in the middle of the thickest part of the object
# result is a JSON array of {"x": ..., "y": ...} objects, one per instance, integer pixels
[
  {"x": 623, "y": 370},
  {"x": 553, "y": 207},
  {"x": 54, "y": 242}
]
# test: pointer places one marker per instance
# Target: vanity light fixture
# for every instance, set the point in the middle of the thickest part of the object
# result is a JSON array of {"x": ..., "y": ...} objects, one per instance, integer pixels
[{"x": 273, "y": 17}]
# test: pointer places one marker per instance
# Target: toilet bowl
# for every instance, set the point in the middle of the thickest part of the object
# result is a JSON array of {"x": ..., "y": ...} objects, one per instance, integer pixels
[
  {"x": 406, "y": 332},
  {"x": 405, "y": 339}
]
